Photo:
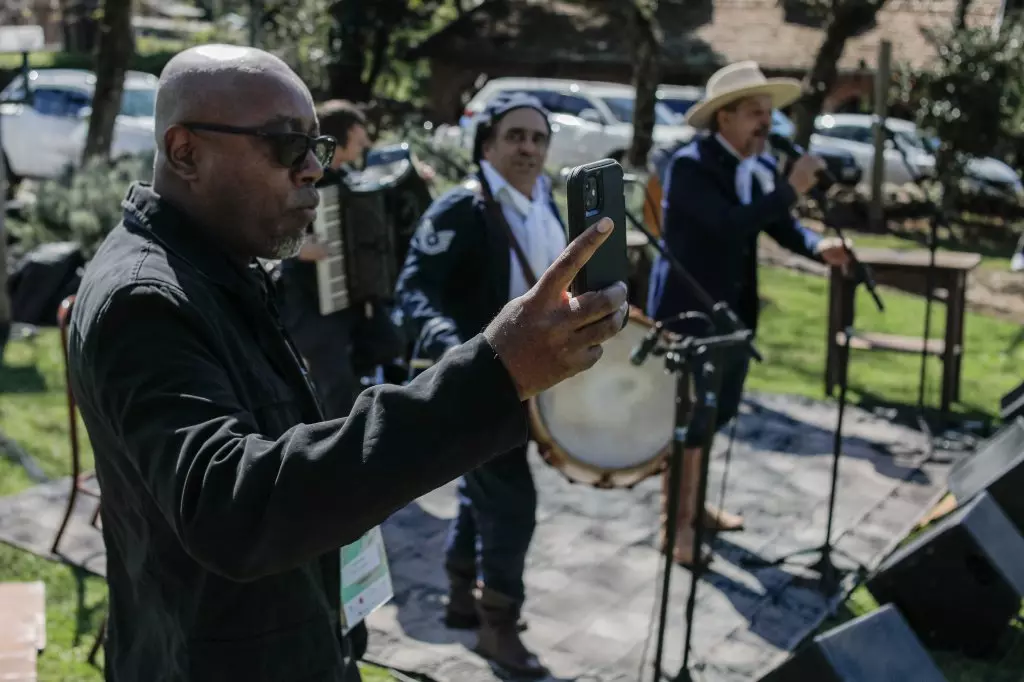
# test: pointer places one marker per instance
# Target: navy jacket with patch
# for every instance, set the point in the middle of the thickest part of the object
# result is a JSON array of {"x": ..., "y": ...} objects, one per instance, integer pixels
[{"x": 456, "y": 275}]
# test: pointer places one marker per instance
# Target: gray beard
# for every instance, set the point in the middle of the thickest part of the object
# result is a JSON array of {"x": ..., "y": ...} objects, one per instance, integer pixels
[{"x": 289, "y": 247}]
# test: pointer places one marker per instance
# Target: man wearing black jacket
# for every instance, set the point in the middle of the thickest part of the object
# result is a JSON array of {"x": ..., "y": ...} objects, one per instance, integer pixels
[{"x": 226, "y": 495}]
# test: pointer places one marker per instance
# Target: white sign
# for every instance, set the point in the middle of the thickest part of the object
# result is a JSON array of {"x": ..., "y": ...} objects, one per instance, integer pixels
[{"x": 22, "y": 39}]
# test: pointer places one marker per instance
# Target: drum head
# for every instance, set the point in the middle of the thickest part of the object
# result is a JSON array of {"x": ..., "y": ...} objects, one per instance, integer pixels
[{"x": 612, "y": 424}]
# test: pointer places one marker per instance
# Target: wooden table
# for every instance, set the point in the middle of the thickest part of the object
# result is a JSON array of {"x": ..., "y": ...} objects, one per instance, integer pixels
[{"x": 905, "y": 270}]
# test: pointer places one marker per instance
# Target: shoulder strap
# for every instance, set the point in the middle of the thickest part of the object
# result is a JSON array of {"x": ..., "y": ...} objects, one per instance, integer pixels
[{"x": 495, "y": 214}]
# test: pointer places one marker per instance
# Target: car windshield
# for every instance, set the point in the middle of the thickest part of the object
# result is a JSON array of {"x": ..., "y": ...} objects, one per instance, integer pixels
[
  {"x": 138, "y": 102},
  {"x": 678, "y": 106},
  {"x": 622, "y": 109},
  {"x": 911, "y": 140}
]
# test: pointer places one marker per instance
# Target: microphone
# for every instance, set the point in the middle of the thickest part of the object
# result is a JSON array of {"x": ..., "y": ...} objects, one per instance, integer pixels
[
  {"x": 644, "y": 348},
  {"x": 789, "y": 148},
  {"x": 862, "y": 271}
]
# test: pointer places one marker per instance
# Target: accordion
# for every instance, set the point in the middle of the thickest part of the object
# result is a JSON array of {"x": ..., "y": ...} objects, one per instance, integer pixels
[
  {"x": 362, "y": 223},
  {"x": 354, "y": 228}
]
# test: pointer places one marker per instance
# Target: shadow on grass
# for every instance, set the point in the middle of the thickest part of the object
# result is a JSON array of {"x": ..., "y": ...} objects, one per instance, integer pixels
[
  {"x": 87, "y": 618},
  {"x": 21, "y": 379}
]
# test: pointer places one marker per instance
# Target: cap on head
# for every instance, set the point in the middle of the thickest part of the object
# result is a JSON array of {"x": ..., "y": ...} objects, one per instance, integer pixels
[{"x": 496, "y": 109}]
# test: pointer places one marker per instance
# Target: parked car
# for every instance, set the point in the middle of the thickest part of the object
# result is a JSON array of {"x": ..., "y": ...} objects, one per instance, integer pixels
[
  {"x": 40, "y": 140},
  {"x": 854, "y": 133},
  {"x": 590, "y": 120}
]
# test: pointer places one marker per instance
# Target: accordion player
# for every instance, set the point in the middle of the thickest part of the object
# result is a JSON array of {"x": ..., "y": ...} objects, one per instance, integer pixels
[{"x": 335, "y": 302}]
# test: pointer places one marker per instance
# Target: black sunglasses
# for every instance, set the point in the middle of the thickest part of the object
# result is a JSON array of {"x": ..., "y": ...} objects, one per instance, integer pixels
[{"x": 290, "y": 148}]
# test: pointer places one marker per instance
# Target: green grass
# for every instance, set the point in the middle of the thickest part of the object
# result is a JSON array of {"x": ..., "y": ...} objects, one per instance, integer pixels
[
  {"x": 792, "y": 335},
  {"x": 792, "y": 339}
]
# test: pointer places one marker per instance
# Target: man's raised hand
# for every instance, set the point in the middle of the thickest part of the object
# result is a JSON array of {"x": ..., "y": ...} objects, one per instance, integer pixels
[{"x": 544, "y": 336}]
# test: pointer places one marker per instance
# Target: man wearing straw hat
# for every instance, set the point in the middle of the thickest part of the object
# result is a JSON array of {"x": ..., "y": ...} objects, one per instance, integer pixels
[{"x": 721, "y": 192}]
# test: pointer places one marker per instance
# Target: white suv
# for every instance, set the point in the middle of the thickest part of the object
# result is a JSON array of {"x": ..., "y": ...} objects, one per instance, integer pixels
[
  {"x": 590, "y": 120},
  {"x": 41, "y": 139}
]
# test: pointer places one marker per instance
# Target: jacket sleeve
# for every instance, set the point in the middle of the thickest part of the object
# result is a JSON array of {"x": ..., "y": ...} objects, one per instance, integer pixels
[
  {"x": 697, "y": 201},
  {"x": 246, "y": 505},
  {"x": 791, "y": 235},
  {"x": 435, "y": 252}
]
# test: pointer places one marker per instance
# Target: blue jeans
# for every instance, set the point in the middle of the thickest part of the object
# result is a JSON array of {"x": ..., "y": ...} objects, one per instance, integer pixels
[{"x": 495, "y": 522}]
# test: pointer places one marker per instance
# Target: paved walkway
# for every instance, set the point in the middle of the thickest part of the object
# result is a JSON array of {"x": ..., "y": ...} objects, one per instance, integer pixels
[
  {"x": 592, "y": 576},
  {"x": 593, "y": 570}
]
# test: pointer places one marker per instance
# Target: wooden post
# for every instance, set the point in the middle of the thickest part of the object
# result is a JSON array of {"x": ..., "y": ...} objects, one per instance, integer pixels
[
  {"x": 255, "y": 15},
  {"x": 882, "y": 79}
]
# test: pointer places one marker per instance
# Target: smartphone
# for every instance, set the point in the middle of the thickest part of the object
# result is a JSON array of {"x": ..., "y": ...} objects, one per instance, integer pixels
[{"x": 595, "y": 191}]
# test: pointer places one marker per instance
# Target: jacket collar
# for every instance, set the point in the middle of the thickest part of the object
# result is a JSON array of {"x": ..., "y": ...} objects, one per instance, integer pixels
[{"x": 179, "y": 233}]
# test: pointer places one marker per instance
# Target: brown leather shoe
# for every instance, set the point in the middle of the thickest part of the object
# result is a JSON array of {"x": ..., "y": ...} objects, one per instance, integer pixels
[
  {"x": 498, "y": 639},
  {"x": 460, "y": 612}
]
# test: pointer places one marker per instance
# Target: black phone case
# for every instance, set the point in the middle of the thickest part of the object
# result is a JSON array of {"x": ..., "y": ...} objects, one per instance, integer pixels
[{"x": 610, "y": 263}]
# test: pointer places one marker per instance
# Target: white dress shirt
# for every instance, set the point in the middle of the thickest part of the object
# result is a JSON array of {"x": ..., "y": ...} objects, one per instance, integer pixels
[{"x": 532, "y": 221}]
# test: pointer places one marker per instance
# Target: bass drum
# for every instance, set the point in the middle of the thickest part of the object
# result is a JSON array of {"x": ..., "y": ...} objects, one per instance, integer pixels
[{"x": 610, "y": 426}]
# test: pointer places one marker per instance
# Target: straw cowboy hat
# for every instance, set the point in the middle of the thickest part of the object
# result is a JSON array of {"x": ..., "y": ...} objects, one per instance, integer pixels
[{"x": 736, "y": 81}]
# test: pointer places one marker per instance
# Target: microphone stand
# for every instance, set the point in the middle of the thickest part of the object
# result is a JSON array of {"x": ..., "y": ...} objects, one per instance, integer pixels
[
  {"x": 829, "y": 575},
  {"x": 935, "y": 216},
  {"x": 703, "y": 355},
  {"x": 700, "y": 357}
]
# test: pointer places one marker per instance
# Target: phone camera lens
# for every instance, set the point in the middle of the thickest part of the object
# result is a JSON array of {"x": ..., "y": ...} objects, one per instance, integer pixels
[{"x": 590, "y": 193}]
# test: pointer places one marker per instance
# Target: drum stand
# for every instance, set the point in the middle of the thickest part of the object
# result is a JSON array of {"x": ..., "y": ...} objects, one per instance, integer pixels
[{"x": 701, "y": 357}]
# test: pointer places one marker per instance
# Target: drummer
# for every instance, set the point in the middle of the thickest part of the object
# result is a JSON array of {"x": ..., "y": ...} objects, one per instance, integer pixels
[
  {"x": 721, "y": 192},
  {"x": 464, "y": 264}
]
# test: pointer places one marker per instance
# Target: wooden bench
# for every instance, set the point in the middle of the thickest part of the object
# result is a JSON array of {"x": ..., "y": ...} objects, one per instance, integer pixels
[
  {"x": 908, "y": 271},
  {"x": 22, "y": 630}
]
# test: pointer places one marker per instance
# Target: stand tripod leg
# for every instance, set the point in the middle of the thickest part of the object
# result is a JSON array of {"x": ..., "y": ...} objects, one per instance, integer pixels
[
  {"x": 708, "y": 379},
  {"x": 829, "y": 575},
  {"x": 675, "y": 465}
]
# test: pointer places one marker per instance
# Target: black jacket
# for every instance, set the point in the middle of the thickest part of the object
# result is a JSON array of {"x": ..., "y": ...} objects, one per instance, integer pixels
[
  {"x": 714, "y": 235},
  {"x": 456, "y": 273},
  {"x": 225, "y": 497}
]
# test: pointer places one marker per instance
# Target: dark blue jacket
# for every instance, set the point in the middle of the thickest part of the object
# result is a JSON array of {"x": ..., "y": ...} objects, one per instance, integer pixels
[
  {"x": 714, "y": 235},
  {"x": 456, "y": 273}
]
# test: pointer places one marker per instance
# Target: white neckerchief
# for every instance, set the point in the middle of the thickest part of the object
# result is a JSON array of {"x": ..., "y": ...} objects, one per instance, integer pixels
[
  {"x": 750, "y": 167},
  {"x": 534, "y": 224}
]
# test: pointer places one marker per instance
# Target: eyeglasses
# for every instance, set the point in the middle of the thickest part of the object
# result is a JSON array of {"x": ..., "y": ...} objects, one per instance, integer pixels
[{"x": 290, "y": 148}]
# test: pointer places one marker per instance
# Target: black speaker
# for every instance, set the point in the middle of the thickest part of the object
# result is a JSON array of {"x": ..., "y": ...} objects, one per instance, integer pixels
[
  {"x": 877, "y": 647},
  {"x": 1011, "y": 405},
  {"x": 959, "y": 583},
  {"x": 997, "y": 467}
]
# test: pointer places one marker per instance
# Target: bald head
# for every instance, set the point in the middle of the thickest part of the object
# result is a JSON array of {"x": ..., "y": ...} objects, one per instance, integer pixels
[
  {"x": 235, "y": 129},
  {"x": 211, "y": 82}
]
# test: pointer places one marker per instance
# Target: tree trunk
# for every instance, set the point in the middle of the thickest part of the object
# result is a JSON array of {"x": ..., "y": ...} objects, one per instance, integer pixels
[
  {"x": 348, "y": 48},
  {"x": 848, "y": 17},
  {"x": 962, "y": 6},
  {"x": 115, "y": 49},
  {"x": 646, "y": 75},
  {"x": 78, "y": 25},
  {"x": 381, "y": 41}
]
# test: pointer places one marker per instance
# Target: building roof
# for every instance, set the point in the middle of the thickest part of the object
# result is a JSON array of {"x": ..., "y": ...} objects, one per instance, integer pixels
[{"x": 698, "y": 34}]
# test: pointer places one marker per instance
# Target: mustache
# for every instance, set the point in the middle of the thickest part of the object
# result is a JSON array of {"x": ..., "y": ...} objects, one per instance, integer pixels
[{"x": 763, "y": 131}]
